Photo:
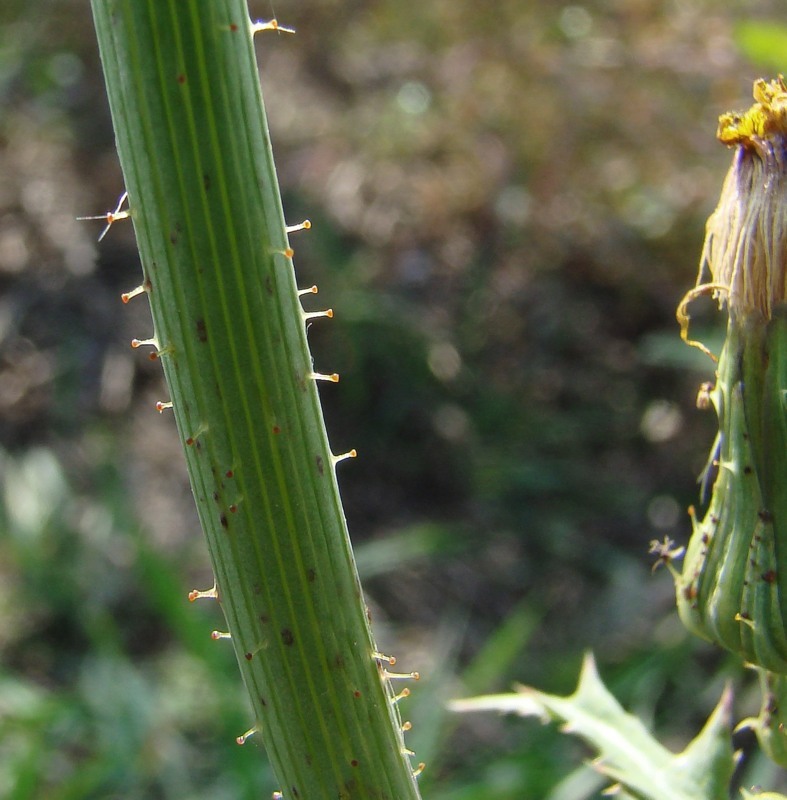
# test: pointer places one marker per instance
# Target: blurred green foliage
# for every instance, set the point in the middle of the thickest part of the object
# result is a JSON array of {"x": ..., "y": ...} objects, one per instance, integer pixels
[{"x": 507, "y": 204}]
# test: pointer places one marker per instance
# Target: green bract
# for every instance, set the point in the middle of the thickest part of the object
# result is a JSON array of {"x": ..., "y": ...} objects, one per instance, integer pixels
[{"x": 733, "y": 588}]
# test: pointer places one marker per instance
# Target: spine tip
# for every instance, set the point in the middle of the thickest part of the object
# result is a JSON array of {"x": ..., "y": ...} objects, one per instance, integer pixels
[
  {"x": 397, "y": 697},
  {"x": 318, "y": 376},
  {"x": 401, "y": 676},
  {"x": 211, "y": 594},
  {"x": 111, "y": 216},
  {"x": 141, "y": 289},
  {"x": 271, "y": 25},
  {"x": 245, "y": 736},
  {"x": 344, "y": 456},
  {"x": 307, "y": 315}
]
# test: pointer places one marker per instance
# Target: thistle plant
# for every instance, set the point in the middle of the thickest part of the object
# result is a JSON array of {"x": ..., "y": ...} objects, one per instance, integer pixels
[
  {"x": 230, "y": 332},
  {"x": 733, "y": 587}
]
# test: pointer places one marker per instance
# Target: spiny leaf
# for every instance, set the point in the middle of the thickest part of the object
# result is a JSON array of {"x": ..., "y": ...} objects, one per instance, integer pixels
[{"x": 628, "y": 752}]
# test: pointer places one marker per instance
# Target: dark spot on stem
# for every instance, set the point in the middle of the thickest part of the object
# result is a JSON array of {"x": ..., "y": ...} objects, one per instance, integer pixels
[
  {"x": 262, "y": 700},
  {"x": 354, "y": 762},
  {"x": 287, "y": 637},
  {"x": 769, "y": 576},
  {"x": 181, "y": 78},
  {"x": 269, "y": 285},
  {"x": 311, "y": 575},
  {"x": 248, "y": 656},
  {"x": 206, "y": 181},
  {"x": 338, "y": 660},
  {"x": 202, "y": 331},
  {"x": 224, "y": 522},
  {"x": 320, "y": 465},
  {"x": 765, "y": 515}
]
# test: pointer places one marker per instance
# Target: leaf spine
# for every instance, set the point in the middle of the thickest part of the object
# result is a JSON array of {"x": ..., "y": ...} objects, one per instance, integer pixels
[
  {"x": 344, "y": 456},
  {"x": 287, "y": 252},
  {"x": 271, "y": 25},
  {"x": 244, "y": 736},
  {"x": 210, "y": 594},
  {"x": 401, "y": 676},
  {"x": 397, "y": 697},
  {"x": 307, "y": 315},
  {"x": 194, "y": 436},
  {"x": 301, "y": 226},
  {"x": 135, "y": 343},
  {"x": 111, "y": 216},
  {"x": 319, "y": 376},
  {"x": 141, "y": 289}
]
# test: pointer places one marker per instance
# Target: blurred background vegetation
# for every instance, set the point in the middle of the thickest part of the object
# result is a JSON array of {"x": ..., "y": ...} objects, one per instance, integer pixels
[{"x": 508, "y": 202}]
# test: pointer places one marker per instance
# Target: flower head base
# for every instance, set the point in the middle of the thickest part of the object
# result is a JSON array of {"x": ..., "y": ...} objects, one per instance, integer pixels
[{"x": 744, "y": 258}]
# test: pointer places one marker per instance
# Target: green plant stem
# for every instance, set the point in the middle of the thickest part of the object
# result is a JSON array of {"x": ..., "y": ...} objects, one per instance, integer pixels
[{"x": 230, "y": 333}]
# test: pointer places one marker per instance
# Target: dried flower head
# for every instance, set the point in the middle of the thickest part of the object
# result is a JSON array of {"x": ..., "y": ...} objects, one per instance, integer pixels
[{"x": 744, "y": 259}]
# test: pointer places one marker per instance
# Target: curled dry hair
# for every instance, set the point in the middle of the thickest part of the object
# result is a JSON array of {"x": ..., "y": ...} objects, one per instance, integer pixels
[{"x": 744, "y": 259}]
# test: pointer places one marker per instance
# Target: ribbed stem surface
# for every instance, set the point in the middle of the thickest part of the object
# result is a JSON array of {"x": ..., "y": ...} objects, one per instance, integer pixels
[{"x": 194, "y": 147}]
